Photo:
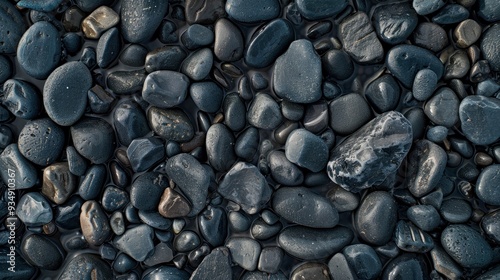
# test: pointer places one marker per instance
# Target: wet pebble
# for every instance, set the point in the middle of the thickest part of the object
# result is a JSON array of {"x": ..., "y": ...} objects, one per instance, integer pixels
[
  {"x": 467, "y": 33},
  {"x": 487, "y": 185},
  {"x": 146, "y": 190},
  {"x": 136, "y": 242},
  {"x": 425, "y": 7},
  {"x": 92, "y": 182},
  {"x": 264, "y": 112},
  {"x": 34, "y": 210},
  {"x": 25, "y": 173},
  {"x": 409, "y": 238},
  {"x": 133, "y": 55},
  {"x": 406, "y": 266},
  {"x": 244, "y": 251},
  {"x": 173, "y": 205},
  {"x": 165, "y": 58},
  {"x": 383, "y": 94},
  {"x": 362, "y": 259},
  {"x": 228, "y": 44},
  {"x": 376, "y": 218},
  {"x": 318, "y": 9},
  {"x": 451, "y": 14},
  {"x": 213, "y": 226},
  {"x": 86, "y": 265},
  {"x": 198, "y": 64},
  {"x": 143, "y": 153},
  {"x": 346, "y": 121},
  {"x": 444, "y": 264},
  {"x": 94, "y": 139},
  {"x": 306, "y": 150},
  {"x": 99, "y": 21},
  {"x": 108, "y": 47},
  {"x": 488, "y": 46},
  {"x": 442, "y": 108},
  {"x": 186, "y": 241},
  {"x": 130, "y": 122},
  {"x": 114, "y": 199},
  {"x": 234, "y": 112},
  {"x": 425, "y": 217},
  {"x": 394, "y": 22},
  {"x": 207, "y": 96},
  {"x": 58, "y": 182},
  {"x": 140, "y": 19},
  {"x": 270, "y": 259},
  {"x": 478, "y": 117},
  {"x": 283, "y": 171},
  {"x": 424, "y": 84},
  {"x": 204, "y": 11},
  {"x": 430, "y": 36},
  {"x": 165, "y": 89},
  {"x": 216, "y": 265},
  {"x": 41, "y": 141},
  {"x": 171, "y": 124},
  {"x": 456, "y": 210},
  {"x": 197, "y": 36},
  {"x": 466, "y": 246},
  {"x": 12, "y": 26}
]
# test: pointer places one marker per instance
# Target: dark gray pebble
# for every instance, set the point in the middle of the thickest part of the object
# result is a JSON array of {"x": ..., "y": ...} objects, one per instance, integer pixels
[
  {"x": 488, "y": 46},
  {"x": 41, "y": 141},
  {"x": 430, "y": 36},
  {"x": 363, "y": 260},
  {"x": 451, "y": 14},
  {"x": 301, "y": 206},
  {"x": 283, "y": 171},
  {"x": 12, "y": 25},
  {"x": 292, "y": 111},
  {"x": 250, "y": 12},
  {"x": 5, "y": 136},
  {"x": 34, "y": 210},
  {"x": 165, "y": 58},
  {"x": 310, "y": 244},
  {"x": 206, "y": 95},
  {"x": 306, "y": 150},
  {"x": 479, "y": 116},
  {"x": 394, "y": 22},
  {"x": 114, "y": 199},
  {"x": 409, "y": 238},
  {"x": 192, "y": 179},
  {"x": 136, "y": 242},
  {"x": 348, "y": 113},
  {"x": 89, "y": 57},
  {"x": 261, "y": 230},
  {"x": 270, "y": 259},
  {"x": 108, "y": 47},
  {"x": 489, "y": 10},
  {"x": 424, "y": 84},
  {"x": 86, "y": 265},
  {"x": 65, "y": 93},
  {"x": 457, "y": 65},
  {"x": 25, "y": 173},
  {"x": 186, "y": 241},
  {"x": 39, "y": 50},
  {"x": 244, "y": 251},
  {"x": 134, "y": 55},
  {"x": 318, "y": 9},
  {"x": 462, "y": 146},
  {"x": 342, "y": 200},
  {"x": 425, "y": 217},
  {"x": 21, "y": 99},
  {"x": 217, "y": 265},
  {"x": 229, "y": 43},
  {"x": 220, "y": 147},
  {"x": 140, "y": 19},
  {"x": 6, "y": 69},
  {"x": 143, "y": 153},
  {"x": 442, "y": 108},
  {"x": 198, "y": 64},
  {"x": 466, "y": 246},
  {"x": 490, "y": 224},
  {"x": 76, "y": 163},
  {"x": 487, "y": 185},
  {"x": 406, "y": 266},
  {"x": 130, "y": 122},
  {"x": 234, "y": 111},
  {"x": 418, "y": 121},
  {"x": 376, "y": 218},
  {"x": 427, "y": 162},
  {"x": 339, "y": 268},
  {"x": 444, "y": 264},
  {"x": 359, "y": 38},
  {"x": 204, "y": 11},
  {"x": 425, "y": 7},
  {"x": 146, "y": 190},
  {"x": 213, "y": 226},
  {"x": 247, "y": 143},
  {"x": 67, "y": 216},
  {"x": 167, "y": 32},
  {"x": 165, "y": 89},
  {"x": 354, "y": 170},
  {"x": 383, "y": 94},
  {"x": 171, "y": 124},
  {"x": 154, "y": 220},
  {"x": 268, "y": 43},
  {"x": 94, "y": 139},
  {"x": 196, "y": 36},
  {"x": 246, "y": 186},
  {"x": 238, "y": 221},
  {"x": 456, "y": 210},
  {"x": 264, "y": 112}
]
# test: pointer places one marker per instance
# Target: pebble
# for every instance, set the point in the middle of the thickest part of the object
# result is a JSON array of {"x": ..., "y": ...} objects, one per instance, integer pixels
[
  {"x": 165, "y": 89},
  {"x": 219, "y": 146},
  {"x": 425, "y": 7},
  {"x": 6, "y": 70},
  {"x": 234, "y": 111},
  {"x": 424, "y": 84},
  {"x": 136, "y": 242},
  {"x": 319, "y": 9},
  {"x": 342, "y": 200},
  {"x": 462, "y": 146},
  {"x": 58, "y": 182},
  {"x": 73, "y": 18},
  {"x": 192, "y": 179},
  {"x": 196, "y": 36},
  {"x": 170, "y": 124},
  {"x": 311, "y": 244},
  {"x": 89, "y": 57},
  {"x": 94, "y": 139},
  {"x": 306, "y": 150},
  {"x": 246, "y": 186},
  {"x": 145, "y": 153},
  {"x": 140, "y": 19},
  {"x": 5, "y": 136},
  {"x": 258, "y": 11},
  {"x": 207, "y": 96},
  {"x": 394, "y": 22},
  {"x": 489, "y": 10},
  {"x": 114, "y": 199},
  {"x": 99, "y": 21},
  {"x": 456, "y": 210},
  {"x": 244, "y": 251},
  {"x": 427, "y": 162},
  {"x": 346, "y": 121},
  {"x": 405, "y": 61},
  {"x": 451, "y": 14},
  {"x": 94, "y": 223},
  {"x": 359, "y": 39},
  {"x": 204, "y": 11},
  {"x": 25, "y": 175},
  {"x": 383, "y": 94},
  {"x": 65, "y": 93},
  {"x": 67, "y": 216},
  {"x": 39, "y": 50},
  {"x": 340, "y": 269},
  {"x": 378, "y": 159},
  {"x": 123, "y": 263},
  {"x": 467, "y": 33},
  {"x": 34, "y": 210},
  {"x": 198, "y": 64},
  {"x": 213, "y": 226},
  {"x": 292, "y": 111},
  {"x": 297, "y": 73},
  {"x": 134, "y": 55},
  {"x": 92, "y": 182},
  {"x": 117, "y": 223},
  {"x": 430, "y": 36},
  {"x": 217, "y": 265},
  {"x": 409, "y": 238},
  {"x": 268, "y": 43},
  {"x": 457, "y": 66},
  {"x": 86, "y": 265},
  {"x": 186, "y": 241},
  {"x": 270, "y": 259},
  {"x": 311, "y": 270},
  {"x": 442, "y": 108},
  {"x": 488, "y": 46},
  {"x": 425, "y": 217},
  {"x": 238, "y": 221},
  {"x": 72, "y": 43},
  {"x": 466, "y": 246},
  {"x": 167, "y": 32},
  {"x": 108, "y": 47},
  {"x": 487, "y": 88},
  {"x": 376, "y": 218},
  {"x": 12, "y": 25},
  {"x": 406, "y": 266},
  {"x": 444, "y": 264},
  {"x": 283, "y": 171},
  {"x": 130, "y": 122},
  {"x": 165, "y": 58},
  {"x": 362, "y": 259},
  {"x": 330, "y": 61},
  {"x": 229, "y": 43},
  {"x": 154, "y": 220},
  {"x": 21, "y": 99},
  {"x": 173, "y": 205},
  {"x": 487, "y": 185},
  {"x": 41, "y": 141},
  {"x": 146, "y": 190},
  {"x": 479, "y": 116},
  {"x": 264, "y": 112}
]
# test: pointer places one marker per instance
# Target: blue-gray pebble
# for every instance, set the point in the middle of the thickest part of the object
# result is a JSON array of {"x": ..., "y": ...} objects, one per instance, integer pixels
[
  {"x": 318, "y": 9},
  {"x": 466, "y": 246},
  {"x": 254, "y": 11},
  {"x": 141, "y": 18},
  {"x": 94, "y": 139},
  {"x": 487, "y": 185},
  {"x": 479, "y": 117},
  {"x": 165, "y": 89},
  {"x": 12, "y": 27},
  {"x": 207, "y": 96},
  {"x": 41, "y": 141},
  {"x": 306, "y": 150},
  {"x": 21, "y": 98}
]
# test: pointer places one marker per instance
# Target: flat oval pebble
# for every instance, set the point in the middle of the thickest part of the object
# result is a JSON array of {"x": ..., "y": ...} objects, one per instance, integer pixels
[
  {"x": 207, "y": 96},
  {"x": 39, "y": 50},
  {"x": 198, "y": 64},
  {"x": 139, "y": 19},
  {"x": 260, "y": 10},
  {"x": 165, "y": 89},
  {"x": 268, "y": 43},
  {"x": 306, "y": 150},
  {"x": 247, "y": 143},
  {"x": 65, "y": 93},
  {"x": 282, "y": 170},
  {"x": 301, "y": 206},
  {"x": 466, "y": 246},
  {"x": 42, "y": 252},
  {"x": 94, "y": 139},
  {"x": 394, "y": 22},
  {"x": 41, "y": 141},
  {"x": 376, "y": 218},
  {"x": 478, "y": 117},
  {"x": 442, "y": 108},
  {"x": 318, "y": 9},
  {"x": 164, "y": 58},
  {"x": 430, "y": 36},
  {"x": 424, "y": 84},
  {"x": 365, "y": 158},
  {"x": 310, "y": 244},
  {"x": 297, "y": 73},
  {"x": 487, "y": 185},
  {"x": 348, "y": 113},
  {"x": 220, "y": 147}
]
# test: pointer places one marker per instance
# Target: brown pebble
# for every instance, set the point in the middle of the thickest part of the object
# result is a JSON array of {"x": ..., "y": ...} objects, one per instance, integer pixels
[
  {"x": 100, "y": 20},
  {"x": 94, "y": 223},
  {"x": 173, "y": 205},
  {"x": 483, "y": 159},
  {"x": 58, "y": 182}
]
